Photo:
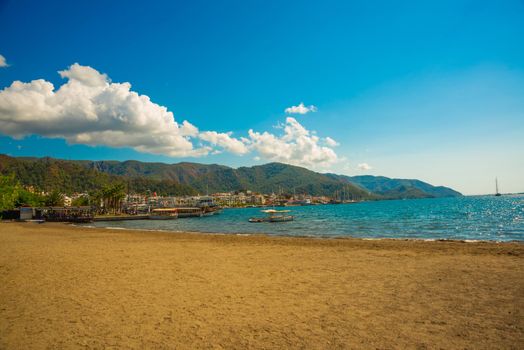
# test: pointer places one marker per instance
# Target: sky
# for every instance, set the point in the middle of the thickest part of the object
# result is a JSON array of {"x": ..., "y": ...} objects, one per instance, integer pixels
[{"x": 432, "y": 90}]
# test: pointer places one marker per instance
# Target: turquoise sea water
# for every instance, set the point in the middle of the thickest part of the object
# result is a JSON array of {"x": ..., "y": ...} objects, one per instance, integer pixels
[{"x": 467, "y": 218}]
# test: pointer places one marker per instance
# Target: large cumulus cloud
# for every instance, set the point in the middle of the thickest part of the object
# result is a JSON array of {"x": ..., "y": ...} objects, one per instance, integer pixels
[{"x": 90, "y": 109}]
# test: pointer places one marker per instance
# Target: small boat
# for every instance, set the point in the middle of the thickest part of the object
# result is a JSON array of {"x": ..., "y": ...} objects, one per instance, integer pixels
[
  {"x": 211, "y": 210},
  {"x": 164, "y": 214},
  {"x": 258, "y": 220},
  {"x": 274, "y": 216},
  {"x": 36, "y": 221},
  {"x": 497, "y": 193}
]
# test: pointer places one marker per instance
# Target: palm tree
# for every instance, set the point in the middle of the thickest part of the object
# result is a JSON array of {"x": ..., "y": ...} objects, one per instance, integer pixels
[
  {"x": 54, "y": 199},
  {"x": 117, "y": 195},
  {"x": 108, "y": 199}
]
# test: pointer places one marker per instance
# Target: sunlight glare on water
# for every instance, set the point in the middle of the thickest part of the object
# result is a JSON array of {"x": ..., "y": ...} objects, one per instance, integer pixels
[{"x": 467, "y": 218}]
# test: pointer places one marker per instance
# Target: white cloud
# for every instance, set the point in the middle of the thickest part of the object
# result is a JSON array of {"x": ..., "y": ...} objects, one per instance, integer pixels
[
  {"x": 296, "y": 146},
  {"x": 300, "y": 109},
  {"x": 89, "y": 109},
  {"x": 364, "y": 166},
  {"x": 3, "y": 62},
  {"x": 85, "y": 74},
  {"x": 225, "y": 141},
  {"x": 330, "y": 142}
]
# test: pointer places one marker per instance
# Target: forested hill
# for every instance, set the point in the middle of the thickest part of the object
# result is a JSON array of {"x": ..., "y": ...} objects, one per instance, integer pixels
[
  {"x": 191, "y": 178},
  {"x": 389, "y": 188},
  {"x": 66, "y": 176}
]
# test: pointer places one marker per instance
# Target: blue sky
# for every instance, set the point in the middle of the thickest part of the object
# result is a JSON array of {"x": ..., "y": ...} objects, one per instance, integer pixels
[{"x": 424, "y": 90}]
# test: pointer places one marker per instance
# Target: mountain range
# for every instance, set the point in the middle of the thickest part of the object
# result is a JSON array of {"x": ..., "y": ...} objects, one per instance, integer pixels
[{"x": 191, "y": 178}]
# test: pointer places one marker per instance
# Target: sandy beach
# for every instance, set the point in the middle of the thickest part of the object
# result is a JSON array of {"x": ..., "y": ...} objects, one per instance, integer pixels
[{"x": 64, "y": 287}]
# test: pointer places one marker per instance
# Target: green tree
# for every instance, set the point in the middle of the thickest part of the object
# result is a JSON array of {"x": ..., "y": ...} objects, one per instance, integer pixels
[
  {"x": 80, "y": 201},
  {"x": 9, "y": 192},
  {"x": 116, "y": 194},
  {"x": 109, "y": 198},
  {"x": 26, "y": 198},
  {"x": 54, "y": 199}
]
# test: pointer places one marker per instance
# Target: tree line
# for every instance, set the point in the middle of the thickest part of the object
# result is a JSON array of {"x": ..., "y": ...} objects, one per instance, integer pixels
[{"x": 107, "y": 199}]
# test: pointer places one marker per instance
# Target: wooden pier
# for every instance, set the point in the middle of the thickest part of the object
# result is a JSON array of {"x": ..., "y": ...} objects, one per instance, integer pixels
[{"x": 121, "y": 217}]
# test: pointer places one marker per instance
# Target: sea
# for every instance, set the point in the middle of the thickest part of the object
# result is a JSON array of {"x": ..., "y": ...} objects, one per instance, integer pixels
[{"x": 470, "y": 218}]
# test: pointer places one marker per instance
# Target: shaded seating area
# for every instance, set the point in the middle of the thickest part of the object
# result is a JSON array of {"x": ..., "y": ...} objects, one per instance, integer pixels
[
  {"x": 57, "y": 214},
  {"x": 67, "y": 214}
]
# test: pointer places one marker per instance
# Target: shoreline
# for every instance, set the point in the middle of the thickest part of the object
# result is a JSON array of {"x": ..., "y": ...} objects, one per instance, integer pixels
[
  {"x": 297, "y": 236},
  {"x": 64, "y": 286}
]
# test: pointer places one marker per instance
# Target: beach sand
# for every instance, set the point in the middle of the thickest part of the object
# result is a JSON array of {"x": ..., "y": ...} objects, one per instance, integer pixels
[{"x": 64, "y": 287}]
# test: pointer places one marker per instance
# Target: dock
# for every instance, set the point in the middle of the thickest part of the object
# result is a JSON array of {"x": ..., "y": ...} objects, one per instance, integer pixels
[{"x": 121, "y": 217}]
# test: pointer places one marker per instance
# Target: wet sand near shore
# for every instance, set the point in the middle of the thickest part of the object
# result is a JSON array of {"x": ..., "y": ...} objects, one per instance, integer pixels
[{"x": 65, "y": 287}]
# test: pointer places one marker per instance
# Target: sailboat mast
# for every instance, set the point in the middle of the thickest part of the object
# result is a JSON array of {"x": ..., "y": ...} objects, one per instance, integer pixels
[{"x": 497, "y": 193}]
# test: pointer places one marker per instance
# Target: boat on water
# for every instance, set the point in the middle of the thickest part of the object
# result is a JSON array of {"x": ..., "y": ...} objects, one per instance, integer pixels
[
  {"x": 175, "y": 213},
  {"x": 497, "y": 193},
  {"x": 164, "y": 214},
  {"x": 208, "y": 206},
  {"x": 274, "y": 216},
  {"x": 211, "y": 210},
  {"x": 188, "y": 212}
]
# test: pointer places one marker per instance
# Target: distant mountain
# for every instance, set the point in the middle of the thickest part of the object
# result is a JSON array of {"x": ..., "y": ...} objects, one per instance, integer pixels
[
  {"x": 190, "y": 178},
  {"x": 272, "y": 177},
  {"x": 389, "y": 188}
]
